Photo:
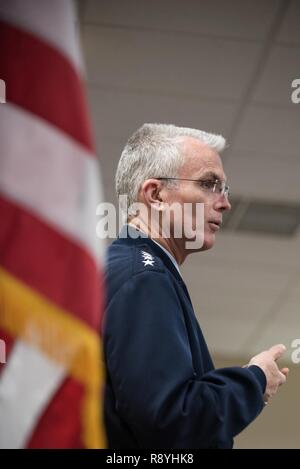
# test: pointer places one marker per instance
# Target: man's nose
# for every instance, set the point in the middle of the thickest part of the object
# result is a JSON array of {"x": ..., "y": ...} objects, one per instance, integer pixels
[{"x": 222, "y": 203}]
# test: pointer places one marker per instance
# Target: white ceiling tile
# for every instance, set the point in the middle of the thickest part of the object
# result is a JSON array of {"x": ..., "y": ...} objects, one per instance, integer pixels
[
  {"x": 271, "y": 130},
  {"x": 223, "y": 334},
  {"x": 109, "y": 193},
  {"x": 294, "y": 296},
  {"x": 232, "y": 299},
  {"x": 109, "y": 154},
  {"x": 231, "y": 302},
  {"x": 282, "y": 67},
  {"x": 117, "y": 115},
  {"x": 249, "y": 252},
  {"x": 263, "y": 175},
  {"x": 248, "y": 20},
  {"x": 168, "y": 64},
  {"x": 290, "y": 314},
  {"x": 281, "y": 324},
  {"x": 283, "y": 329},
  {"x": 290, "y": 31},
  {"x": 278, "y": 425},
  {"x": 223, "y": 331},
  {"x": 227, "y": 281}
]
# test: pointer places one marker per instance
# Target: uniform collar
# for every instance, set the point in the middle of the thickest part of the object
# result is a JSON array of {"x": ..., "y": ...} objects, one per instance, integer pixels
[{"x": 169, "y": 255}]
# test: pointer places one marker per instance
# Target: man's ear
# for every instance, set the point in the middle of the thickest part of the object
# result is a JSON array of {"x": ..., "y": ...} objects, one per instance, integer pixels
[{"x": 150, "y": 192}]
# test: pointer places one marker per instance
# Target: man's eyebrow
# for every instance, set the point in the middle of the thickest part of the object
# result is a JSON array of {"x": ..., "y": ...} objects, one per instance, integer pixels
[{"x": 211, "y": 175}]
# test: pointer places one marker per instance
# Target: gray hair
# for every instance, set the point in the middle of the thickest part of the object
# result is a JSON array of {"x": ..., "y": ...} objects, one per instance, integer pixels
[{"x": 155, "y": 150}]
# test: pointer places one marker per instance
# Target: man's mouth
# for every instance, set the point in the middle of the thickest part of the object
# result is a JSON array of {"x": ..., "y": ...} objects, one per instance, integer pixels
[{"x": 215, "y": 224}]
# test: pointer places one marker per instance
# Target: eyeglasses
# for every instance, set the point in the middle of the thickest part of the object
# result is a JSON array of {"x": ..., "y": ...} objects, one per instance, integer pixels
[{"x": 209, "y": 185}]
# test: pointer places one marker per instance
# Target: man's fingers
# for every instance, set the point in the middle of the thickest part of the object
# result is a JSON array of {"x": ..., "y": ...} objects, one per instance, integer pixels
[
  {"x": 282, "y": 378},
  {"x": 283, "y": 374},
  {"x": 277, "y": 351},
  {"x": 285, "y": 371}
]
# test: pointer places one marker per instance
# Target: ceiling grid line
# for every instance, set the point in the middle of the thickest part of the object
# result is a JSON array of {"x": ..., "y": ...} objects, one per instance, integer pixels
[{"x": 168, "y": 32}]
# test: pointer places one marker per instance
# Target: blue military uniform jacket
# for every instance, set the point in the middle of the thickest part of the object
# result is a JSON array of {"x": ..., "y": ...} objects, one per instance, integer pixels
[{"x": 162, "y": 389}]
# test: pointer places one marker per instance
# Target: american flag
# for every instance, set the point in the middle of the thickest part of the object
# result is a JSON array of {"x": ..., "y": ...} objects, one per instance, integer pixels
[{"x": 50, "y": 259}]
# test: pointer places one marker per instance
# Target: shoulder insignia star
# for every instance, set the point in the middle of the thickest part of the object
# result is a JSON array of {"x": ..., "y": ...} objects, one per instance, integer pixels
[{"x": 148, "y": 259}]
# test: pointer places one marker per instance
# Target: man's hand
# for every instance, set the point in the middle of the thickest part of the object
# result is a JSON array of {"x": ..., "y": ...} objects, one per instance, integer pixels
[{"x": 267, "y": 362}]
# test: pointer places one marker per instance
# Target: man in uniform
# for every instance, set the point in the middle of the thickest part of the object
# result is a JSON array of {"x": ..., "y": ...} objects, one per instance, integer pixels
[{"x": 162, "y": 389}]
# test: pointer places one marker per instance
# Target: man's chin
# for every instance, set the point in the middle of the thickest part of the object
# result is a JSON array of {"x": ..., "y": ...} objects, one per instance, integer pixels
[
  {"x": 193, "y": 246},
  {"x": 209, "y": 242}
]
